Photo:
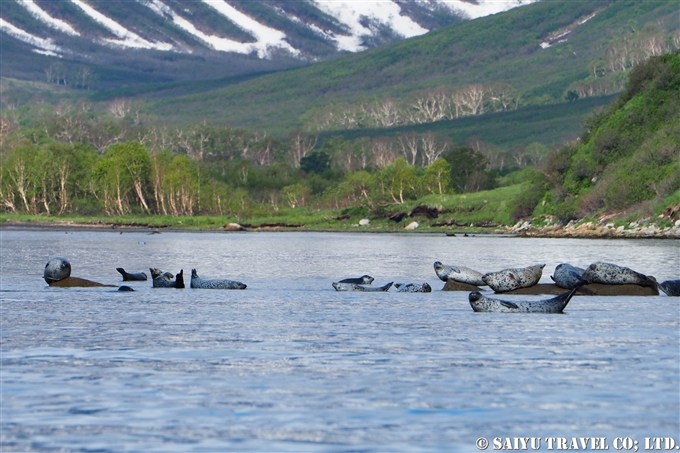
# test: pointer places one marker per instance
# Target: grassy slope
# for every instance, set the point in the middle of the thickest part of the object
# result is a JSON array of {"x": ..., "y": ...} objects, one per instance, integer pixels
[{"x": 503, "y": 47}]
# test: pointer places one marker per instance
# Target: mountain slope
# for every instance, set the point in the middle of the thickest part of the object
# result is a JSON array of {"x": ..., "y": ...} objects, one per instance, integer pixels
[
  {"x": 161, "y": 35},
  {"x": 502, "y": 48}
]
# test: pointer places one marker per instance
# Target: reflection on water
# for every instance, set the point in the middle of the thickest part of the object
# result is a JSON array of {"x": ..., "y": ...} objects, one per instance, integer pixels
[{"x": 291, "y": 365}]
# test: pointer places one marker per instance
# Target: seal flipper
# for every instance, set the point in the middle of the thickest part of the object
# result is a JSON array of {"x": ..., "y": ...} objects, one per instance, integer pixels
[
  {"x": 508, "y": 304},
  {"x": 179, "y": 279},
  {"x": 386, "y": 287}
]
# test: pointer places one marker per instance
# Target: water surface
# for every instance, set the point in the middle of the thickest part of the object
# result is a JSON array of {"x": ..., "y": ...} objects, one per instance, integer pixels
[{"x": 291, "y": 365}]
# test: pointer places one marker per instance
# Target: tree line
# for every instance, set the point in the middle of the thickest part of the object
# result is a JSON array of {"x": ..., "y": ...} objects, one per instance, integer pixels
[{"x": 74, "y": 159}]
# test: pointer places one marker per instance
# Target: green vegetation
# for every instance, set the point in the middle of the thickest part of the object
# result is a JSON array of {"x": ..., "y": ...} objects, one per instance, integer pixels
[{"x": 629, "y": 156}]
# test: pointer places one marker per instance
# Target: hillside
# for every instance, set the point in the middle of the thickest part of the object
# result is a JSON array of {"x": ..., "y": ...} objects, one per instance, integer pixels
[
  {"x": 519, "y": 48},
  {"x": 627, "y": 163}
]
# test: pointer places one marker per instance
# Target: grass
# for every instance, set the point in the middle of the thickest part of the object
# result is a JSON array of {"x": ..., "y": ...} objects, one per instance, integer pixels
[{"x": 488, "y": 207}]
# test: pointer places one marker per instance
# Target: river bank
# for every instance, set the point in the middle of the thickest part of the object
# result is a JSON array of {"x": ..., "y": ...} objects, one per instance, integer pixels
[{"x": 523, "y": 229}]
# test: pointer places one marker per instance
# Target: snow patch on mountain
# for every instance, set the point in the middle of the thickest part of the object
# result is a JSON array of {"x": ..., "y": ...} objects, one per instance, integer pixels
[
  {"x": 46, "y": 46},
  {"x": 353, "y": 14},
  {"x": 127, "y": 38},
  {"x": 42, "y": 16},
  {"x": 479, "y": 8},
  {"x": 267, "y": 38}
]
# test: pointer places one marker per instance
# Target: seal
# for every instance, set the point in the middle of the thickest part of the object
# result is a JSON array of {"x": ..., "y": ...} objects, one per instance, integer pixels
[
  {"x": 57, "y": 269},
  {"x": 363, "y": 280},
  {"x": 480, "y": 303},
  {"x": 129, "y": 277},
  {"x": 458, "y": 274},
  {"x": 613, "y": 274},
  {"x": 509, "y": 279},
  {"x": 568, "y": 277},
  {"x": 670, "y": 287},
  {"x": 162, "y": 279},
  {"x": 125, "y": 288},
  {"x": 413, "y": 288},
  {"x": 354, "y": 287},
  {"x": 200, "y": 283}
]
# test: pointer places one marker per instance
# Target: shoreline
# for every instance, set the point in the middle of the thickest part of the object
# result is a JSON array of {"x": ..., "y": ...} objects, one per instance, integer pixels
[{"x": 586, "y": 231}]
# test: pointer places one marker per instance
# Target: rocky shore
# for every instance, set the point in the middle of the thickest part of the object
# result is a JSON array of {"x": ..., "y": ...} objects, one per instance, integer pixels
[{"x": 602, "y": 229}]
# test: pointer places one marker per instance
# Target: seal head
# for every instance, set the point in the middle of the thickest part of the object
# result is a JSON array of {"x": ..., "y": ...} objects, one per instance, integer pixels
[{"x": 57, "y": 269}]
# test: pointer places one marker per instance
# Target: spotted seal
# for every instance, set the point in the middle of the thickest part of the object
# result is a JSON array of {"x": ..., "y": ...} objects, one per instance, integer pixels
[
  {"x": 568, "y": 277},
  {"x": 613, "y": 274},
  {"x": 480, "y": 303},
  {"x": 670, "y": 287},
  {"x": 413, "y": 288},
  {"x": 458, "y": 274},
  {"x": 129, "y": 277},
  {"x": 200, "y": 283},
  {"x": 165, "y": 279},
  {"x": 509, "y": 279},
  {"x": 57, "y": 269},
  {"x": 354, "y": 287},
  {"x": 363, "y": 280}
]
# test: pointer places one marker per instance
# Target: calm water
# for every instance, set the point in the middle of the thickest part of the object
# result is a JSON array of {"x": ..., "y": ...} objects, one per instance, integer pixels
[{"x": 291, "y": 365}]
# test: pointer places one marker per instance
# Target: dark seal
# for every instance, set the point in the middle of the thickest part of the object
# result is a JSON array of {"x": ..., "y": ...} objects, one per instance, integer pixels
[
  {"x": 130, "y": 277},
  {"x": 363, "y": 280}
]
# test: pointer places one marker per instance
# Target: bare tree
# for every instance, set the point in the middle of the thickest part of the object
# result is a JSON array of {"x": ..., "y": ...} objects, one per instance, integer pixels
[
  {"x": 431, "y": 148},
  {"x": 409, "y": 146},
  {"x": 472, "y": 96},
  {"x": 383, "y": 151},
  {"x": 385, "y": 113},
  {"x": 300, "y": 145}
]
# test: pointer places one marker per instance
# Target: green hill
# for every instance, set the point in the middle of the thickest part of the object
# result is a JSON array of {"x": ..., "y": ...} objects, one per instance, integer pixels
[
  {"x": 504, "y": 48},
  {"x": 628, "y": 160}
]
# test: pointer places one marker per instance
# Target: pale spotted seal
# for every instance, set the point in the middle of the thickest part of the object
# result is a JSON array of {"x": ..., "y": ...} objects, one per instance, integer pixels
[
  {"x": 568, "y": 277},
  {"x": 129, "y": 277},
  {"x": 480, "y": 303},
  {"x": 670, "y": 287},
  {"x": 354, "y": 287},
  {"x": 613, "y": 274},
  {"x": 413, "y": 288},
  {"x": 200, "y": 283},
  {"x": 509, "y": 279},
  {"x": 57, "y": 269},
  {"x": 165, "y": 279},
  {"x": 363, "y": 280},
  {"x": 458, "y": 274}
]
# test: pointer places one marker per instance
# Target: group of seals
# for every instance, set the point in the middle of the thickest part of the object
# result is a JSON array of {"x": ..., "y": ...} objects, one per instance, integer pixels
[
  {"x": 481, "y": 303},
  {"x": 162, "y": 279},
  {"x": 358, "y": 284}
]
